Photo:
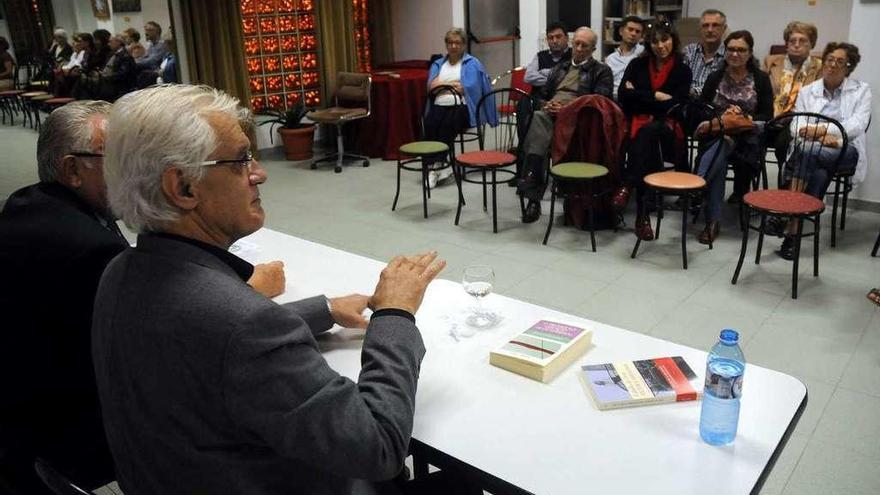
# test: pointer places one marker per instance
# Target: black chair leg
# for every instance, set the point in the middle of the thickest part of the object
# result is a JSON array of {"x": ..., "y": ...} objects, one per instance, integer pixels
[
  {"x": 797, "y": 257},
  {"x": 876, "y": 245},
  {"x": 592, "y": 227},
  {"x": 742, "y": 250},
  {"x": 684, "y": 226},
  {"x": 552, "y": 208},
  {"x": 485, "y": 204},
  {"x": 425, "y": 188},
  {"x": 494, "y": 204},
  {"x": 639, "y": 214},
  {"x": 760, "y": 238},
  {"x": 397, "y": 192},
  {"x": 846, "y": 189},
  {"x": 659, "y": 215},
  {"x": 834, "y": 213},
  {"x": 816, "y": 246},
  {"x": 462, "y": 173}
]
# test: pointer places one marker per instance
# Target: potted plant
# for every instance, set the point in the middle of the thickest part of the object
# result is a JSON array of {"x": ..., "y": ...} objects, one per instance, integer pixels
[{"x": 298, "y": 137}]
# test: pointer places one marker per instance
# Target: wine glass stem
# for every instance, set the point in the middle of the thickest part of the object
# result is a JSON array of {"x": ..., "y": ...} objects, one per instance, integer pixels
[{"x": 478, "y": 309}]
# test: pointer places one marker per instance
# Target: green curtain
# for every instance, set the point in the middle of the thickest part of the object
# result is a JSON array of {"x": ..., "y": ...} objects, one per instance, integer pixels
[
  {"x": 215, "y": 45},
  {"x": 381, "y": 32},
  {"x": 335, "y": 44}
]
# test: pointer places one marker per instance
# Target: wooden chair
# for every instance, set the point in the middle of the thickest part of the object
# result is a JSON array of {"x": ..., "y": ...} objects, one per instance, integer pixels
[
  {"x": 794, "y": 205},
  {"x": 352, "y": 103}
]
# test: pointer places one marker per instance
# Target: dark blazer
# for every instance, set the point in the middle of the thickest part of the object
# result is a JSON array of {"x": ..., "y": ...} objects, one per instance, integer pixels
[
  {"x": 52, "y": 253},
  {"x": 209, "y": 387},
  {"x": 641, "y": 99},
  {"x": 764, "y": 107},
  {"x": 595, "y": 79}
]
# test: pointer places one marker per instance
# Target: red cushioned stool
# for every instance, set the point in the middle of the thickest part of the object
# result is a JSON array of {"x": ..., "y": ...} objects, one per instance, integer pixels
[{"x": 781, "y": 203}]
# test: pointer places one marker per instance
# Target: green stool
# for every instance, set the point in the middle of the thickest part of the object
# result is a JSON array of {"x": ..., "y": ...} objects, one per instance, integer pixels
[
  {"x": 572, "y": 175},
  {"x": 416, "y": 153}
]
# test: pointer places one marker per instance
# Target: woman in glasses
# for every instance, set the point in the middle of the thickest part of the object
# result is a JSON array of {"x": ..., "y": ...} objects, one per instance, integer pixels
[
  {"x": 844, "y": 99},
  {"x": 739, "y": 89},
  {"x": 796, "y": 68}
]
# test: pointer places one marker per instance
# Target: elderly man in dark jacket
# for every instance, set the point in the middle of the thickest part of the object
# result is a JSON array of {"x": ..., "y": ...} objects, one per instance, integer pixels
[{"x": 570, "y": 79}]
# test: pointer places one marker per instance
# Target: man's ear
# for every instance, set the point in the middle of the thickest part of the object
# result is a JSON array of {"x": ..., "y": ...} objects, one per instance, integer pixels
[
  {"x": 69, "y": 172},
  {"x": 178, "y": 190}
]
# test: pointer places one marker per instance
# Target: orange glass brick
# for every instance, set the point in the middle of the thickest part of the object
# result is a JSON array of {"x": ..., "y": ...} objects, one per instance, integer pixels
[
  {"x": 290, "y": 62},
  {"x": 267, "y": 6},
  {"x": 292, "y": 82},
  {"x": 306, "y": 22},
  {"x": 254, "y": 65},
  {"x": 257, "y": 84},
  {"x": 289, "y": 43},
  {"x": 272, "y": 64},
  {"x": 273, "y": 83},
  {"x": 248, "y": 7},
  {"x": 251, "y": 46},
  {"x": 286, "y": 5},
  {"x": 270, "y": 45},
  {"x": 307, "y": 42},
  {"x": 306, "y": 5},
  {"x": 258, "y": 104},
  {"x": 249, "y": 26},
  {"x": 275, "y": 101},
  {"x": 268, "y": 25},
  {"x": 287, "y": 24},
  {"x": 309, "y": 61}
]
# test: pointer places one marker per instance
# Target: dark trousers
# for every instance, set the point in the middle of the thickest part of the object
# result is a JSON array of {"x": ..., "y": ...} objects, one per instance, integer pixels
[
  {"x": 444, "y": 123},
  {"x": 652, "y": 145}
]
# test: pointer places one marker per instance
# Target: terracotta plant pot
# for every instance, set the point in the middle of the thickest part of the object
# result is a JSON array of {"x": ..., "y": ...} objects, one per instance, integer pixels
[{"x": 298, "y": 142}]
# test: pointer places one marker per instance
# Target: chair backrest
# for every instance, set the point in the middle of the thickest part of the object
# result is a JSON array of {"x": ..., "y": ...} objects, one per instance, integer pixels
[
  {"x": 353, "y": 89},
  {"x": 456, "y": 119},
  {"x": 515, "y": 79},
  {"x": 698, "y": 121},
  {"x": 800, "y": 125},
  {"x": 57, "y": 482},
  {"x": 512, "y": 127}
]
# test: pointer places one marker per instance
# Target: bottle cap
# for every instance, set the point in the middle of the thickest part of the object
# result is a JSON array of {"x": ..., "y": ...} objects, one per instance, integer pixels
[{"x": 729, "y": 336}]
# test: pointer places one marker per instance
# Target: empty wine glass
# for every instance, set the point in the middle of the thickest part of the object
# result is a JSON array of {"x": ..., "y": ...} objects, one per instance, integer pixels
[{"x": 478, "y": 281}]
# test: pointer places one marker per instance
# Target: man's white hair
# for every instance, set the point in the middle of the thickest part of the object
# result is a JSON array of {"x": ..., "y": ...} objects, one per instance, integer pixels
[
  {"x": 67, "y": 129},
  {"x": 151, "y": 130},
  {"x": 585, "y": 29},
  {"x": 59, "y": 33}
]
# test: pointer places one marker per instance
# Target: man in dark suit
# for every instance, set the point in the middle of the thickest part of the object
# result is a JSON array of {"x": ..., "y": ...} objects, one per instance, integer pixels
[
  {"x": 56, "y": 238},
  {"x": 207, "y": 386}
]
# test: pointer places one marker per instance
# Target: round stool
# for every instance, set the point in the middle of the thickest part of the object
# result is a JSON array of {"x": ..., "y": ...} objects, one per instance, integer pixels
[{"x": 575, "y": 174}]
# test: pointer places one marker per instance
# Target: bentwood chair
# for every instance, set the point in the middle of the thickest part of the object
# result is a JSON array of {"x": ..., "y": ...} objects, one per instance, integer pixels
[
  {"x": 414, "y": 154},
  {"x": 689, "y": 116},
  {"x": 498, "y": 151},
  {"x": 352, "y": 103},
  {"x": 794, "y": 205}
]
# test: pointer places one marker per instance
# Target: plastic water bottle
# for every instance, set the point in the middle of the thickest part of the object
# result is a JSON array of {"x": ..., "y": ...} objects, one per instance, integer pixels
[{"x": 721, "y": 395}]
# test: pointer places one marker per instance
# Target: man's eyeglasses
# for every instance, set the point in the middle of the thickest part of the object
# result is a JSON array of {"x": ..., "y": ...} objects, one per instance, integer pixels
[
  {"x": 245, "y": 162},
  {"x": 86, "y": 154}
]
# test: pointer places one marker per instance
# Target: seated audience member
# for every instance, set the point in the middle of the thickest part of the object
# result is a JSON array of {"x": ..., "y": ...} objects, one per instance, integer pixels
[
  {"x": 101, "y": 54},
  {"x": 580, "y": 75},
  {"x": 540, "y": 66},
  {"x": 467, "y": 75},
  {"x": 133, "y": 43},
  {"x": 56, "y": 237},
  {"x": 651, "y": 86},
  {"x": 166, "y": 73},
  {"x": 118, "y": 76},
  {"x": 630, "y": 47},
  {"x": 60, "y": 50},
  {"x": 842, "y": 98},
  {"x": 789, "y": 72},
  {"x": 743, "y": 91},
  {"x": 7, "y": 66},
  {"x": 69, "y": 73},
  {"x": 707, "y": 55},
  {"x": 206, "y": 385},
  {"x": 155, "y": 47}
]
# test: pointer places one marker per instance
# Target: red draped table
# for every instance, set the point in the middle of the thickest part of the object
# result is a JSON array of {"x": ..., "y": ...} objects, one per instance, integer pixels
[{"x": 397, "y": 107}]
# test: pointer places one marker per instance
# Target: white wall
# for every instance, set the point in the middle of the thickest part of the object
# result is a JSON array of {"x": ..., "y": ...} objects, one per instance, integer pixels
[
  {"x": 532, "y": 21},
  {"x": 863, "y": 33},
  {"x": 77, "y": 16},
  {"x": 419, "y": 26},
  {"x": 766, "y": 19}
]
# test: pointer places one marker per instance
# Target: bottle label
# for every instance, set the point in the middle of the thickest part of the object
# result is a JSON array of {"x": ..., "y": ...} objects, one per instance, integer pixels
[{"x": 723, "y": 387}]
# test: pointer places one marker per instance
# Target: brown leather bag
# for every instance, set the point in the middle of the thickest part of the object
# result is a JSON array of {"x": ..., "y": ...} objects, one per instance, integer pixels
[{"x": 734, "y": 124}]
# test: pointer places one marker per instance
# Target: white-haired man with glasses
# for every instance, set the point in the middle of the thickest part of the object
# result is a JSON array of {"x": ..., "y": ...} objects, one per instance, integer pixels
[
  {"x": 207, "y": 386},
  {"x": 56, "y": 237}
]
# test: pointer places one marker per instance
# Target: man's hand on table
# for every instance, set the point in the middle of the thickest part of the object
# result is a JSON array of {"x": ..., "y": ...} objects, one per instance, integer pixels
[
  {"x": 268, "y": 278},
  {"x": 403, "y": 282},
  {"x": 348, "y": 311}
]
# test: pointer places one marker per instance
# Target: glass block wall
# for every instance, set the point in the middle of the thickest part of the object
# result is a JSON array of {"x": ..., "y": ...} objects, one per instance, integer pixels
[{"x": 280, "y": 46}]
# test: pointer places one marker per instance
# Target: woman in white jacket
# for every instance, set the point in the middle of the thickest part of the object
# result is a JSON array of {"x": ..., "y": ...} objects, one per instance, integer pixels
[{"x": 844, "y": 99}]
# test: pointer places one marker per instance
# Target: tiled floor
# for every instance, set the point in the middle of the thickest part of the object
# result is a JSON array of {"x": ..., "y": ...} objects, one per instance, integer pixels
[{"x": 829, "y": 338}]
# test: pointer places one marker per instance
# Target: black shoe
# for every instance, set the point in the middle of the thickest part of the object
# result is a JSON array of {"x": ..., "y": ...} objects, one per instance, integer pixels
[
  {"x": 786, "y": 251},
  {"x": 734, "y": 199},
  {"x": 533, "y": 212},
  {"x": 774, "y": 226},
  {"x": 512, "y": 182}
]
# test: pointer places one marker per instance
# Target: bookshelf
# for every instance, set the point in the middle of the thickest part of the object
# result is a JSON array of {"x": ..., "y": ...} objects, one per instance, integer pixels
[{"x": 614, "y": 11}]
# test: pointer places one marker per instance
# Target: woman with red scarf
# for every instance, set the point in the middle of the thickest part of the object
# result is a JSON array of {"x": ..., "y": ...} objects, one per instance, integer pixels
[{"x": 652, "y": 84}]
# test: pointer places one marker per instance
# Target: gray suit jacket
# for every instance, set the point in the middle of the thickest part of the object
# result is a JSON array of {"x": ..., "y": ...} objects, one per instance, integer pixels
[{"x": 208, "y": 387}]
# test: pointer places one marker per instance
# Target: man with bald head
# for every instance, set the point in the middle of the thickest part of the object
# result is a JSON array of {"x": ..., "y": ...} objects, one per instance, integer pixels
[{"x": 571, "y": 78}]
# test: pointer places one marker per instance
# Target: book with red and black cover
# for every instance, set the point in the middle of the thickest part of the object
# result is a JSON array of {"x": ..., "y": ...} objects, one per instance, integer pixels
[
  {"x": 638, "y": 383},
  {"x": 543, "y": 350}
]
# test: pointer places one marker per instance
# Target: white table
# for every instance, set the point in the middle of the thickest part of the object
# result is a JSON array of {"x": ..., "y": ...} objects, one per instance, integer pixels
[{"x": 520, "y": 435}]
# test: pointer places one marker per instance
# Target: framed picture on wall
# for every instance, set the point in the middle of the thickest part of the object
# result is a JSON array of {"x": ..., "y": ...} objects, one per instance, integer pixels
[
  {"x": 126, "y": 5},
  {"x": 101, "y": 9}
]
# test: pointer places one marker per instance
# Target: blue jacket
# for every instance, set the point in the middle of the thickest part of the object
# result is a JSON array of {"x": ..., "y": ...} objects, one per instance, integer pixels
[{"x": 476, "y": 84}]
